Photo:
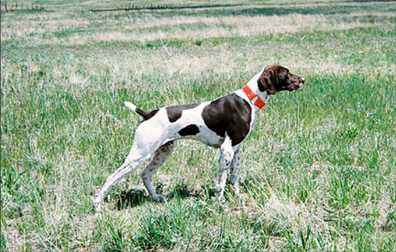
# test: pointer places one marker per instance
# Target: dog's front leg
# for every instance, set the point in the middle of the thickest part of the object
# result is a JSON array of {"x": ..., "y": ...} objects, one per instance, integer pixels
[
  {"x": 235, "y": 168},
  {"x": 226, "y": 155}
]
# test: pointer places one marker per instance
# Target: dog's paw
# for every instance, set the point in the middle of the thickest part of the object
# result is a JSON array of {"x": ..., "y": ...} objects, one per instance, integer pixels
[
  {"x": 221, "y": 199},
  {"x": 97, "y": 204},
  {"x": 97, "y": 207},
  {"x": 219, "y": 193},
  {"x": 236, "y": 190},
  {"x": 159, "y": 198}
]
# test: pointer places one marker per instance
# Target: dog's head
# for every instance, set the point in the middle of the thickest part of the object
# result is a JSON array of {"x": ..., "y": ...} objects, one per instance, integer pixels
[{"x": 276, "y": 78}]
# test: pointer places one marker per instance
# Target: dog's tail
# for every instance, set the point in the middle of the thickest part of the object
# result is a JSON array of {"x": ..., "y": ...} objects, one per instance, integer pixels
[{"x": 132, "y": 107}]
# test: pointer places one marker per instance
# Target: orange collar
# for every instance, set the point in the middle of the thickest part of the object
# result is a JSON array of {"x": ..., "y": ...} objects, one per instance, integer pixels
[{"x": 257, "y": 101}]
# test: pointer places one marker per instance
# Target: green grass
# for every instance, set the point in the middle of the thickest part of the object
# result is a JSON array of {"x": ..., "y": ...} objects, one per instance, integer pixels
[{"x": 318, "y": 170}]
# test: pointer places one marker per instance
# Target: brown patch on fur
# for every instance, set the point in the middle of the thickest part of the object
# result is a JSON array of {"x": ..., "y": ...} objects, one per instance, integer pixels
[
  {"x": 175, "y": 112},
  {"x": 228, "y": 114}
]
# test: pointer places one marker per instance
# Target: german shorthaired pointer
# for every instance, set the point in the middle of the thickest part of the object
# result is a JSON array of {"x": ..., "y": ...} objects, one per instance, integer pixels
[{"x": 223, "y": 123}]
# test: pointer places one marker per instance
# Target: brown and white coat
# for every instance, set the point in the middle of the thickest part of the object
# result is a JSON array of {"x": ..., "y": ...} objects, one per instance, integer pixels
[{"x": 223, "y": 123}]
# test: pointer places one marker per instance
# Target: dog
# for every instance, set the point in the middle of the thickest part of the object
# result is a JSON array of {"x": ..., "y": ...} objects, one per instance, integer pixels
[{"x": 223, "y": 123}]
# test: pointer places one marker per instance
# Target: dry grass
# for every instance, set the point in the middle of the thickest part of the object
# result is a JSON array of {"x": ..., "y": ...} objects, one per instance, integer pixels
[
  {"x": 199, "y": 28},
  {"x": 148, "y": 28},
  {"x": 42, "y": 24},
  {"x": 227, "y": 27},
  {"x": 198, "y": 62}
]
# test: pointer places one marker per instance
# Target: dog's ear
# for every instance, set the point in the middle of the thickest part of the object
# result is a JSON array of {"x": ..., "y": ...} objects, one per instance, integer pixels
[{"x": 267, "y": 81}]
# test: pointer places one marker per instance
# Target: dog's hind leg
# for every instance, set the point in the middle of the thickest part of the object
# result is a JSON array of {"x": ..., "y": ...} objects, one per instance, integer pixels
[
  {"x": 158, "y": 159},
  {"x": 135, "y": 157},
  {"x": 148, "y": 138}
]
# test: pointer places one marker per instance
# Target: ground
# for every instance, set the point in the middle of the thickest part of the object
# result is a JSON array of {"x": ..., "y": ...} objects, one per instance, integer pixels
[{"x": 318, "y": 172}]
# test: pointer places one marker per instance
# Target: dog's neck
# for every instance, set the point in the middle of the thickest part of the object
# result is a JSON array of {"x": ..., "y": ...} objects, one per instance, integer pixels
[{"x": 251, "y": 93}]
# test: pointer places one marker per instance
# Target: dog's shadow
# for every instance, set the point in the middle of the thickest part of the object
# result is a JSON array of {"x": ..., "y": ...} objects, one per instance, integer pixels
[
  {"x": 130, "y": 198},
  {"x": 135, "y": 197}
]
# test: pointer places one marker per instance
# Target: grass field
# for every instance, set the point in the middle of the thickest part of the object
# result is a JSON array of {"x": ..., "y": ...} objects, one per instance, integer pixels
[{"x": 318, "y": 172}]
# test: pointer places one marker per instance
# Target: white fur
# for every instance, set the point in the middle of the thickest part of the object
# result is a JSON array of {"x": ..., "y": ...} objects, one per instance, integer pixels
[
  {"x": 153, "y": 139},
  {"x": 130, "y": 106}
]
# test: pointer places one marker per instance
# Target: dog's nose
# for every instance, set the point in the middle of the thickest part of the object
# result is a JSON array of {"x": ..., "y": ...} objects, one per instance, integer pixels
[{"x": 302, "y": 80}]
